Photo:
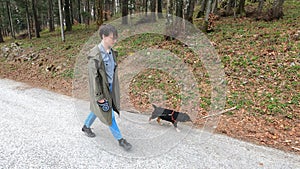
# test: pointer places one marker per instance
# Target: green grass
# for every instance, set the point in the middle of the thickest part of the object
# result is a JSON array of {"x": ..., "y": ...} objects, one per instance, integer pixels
[
  {"x": 264, "y": 54},
  {"x": 53, "y": 50},
  {"x": 136, "y": 43}
]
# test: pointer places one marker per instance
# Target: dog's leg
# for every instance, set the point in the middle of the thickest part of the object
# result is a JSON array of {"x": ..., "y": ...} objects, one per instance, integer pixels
[
  {"x": 152, "y": 117},
  {"x": 158, "y": 121},
  {"x": 175, "y": 125}
]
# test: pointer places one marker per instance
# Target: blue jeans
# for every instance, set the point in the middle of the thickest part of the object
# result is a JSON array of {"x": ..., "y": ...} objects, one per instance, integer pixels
[{"x": 114, "y": 129}]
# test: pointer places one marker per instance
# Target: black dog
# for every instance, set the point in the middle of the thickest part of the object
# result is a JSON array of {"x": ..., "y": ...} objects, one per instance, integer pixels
[{"x": 169, "y": 115}]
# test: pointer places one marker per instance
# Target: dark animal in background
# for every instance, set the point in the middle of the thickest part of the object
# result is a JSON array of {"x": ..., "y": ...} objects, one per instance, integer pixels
[{"x": 169, "y": 115}]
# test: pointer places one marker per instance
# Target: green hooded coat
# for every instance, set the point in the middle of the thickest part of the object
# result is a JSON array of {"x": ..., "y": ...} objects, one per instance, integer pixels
[{"x": 99, "y": 86}]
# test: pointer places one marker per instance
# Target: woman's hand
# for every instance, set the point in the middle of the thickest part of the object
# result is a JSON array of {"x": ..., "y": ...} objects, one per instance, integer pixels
[
  {"x": 103, "y": 104},
  {"x": 101, "y": 101}
]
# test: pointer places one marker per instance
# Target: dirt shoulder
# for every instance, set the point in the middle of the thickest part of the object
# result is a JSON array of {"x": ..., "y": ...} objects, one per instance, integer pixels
[{"x": 273, "y": 131}]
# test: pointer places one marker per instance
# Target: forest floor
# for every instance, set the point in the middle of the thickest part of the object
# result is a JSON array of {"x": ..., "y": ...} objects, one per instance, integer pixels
[{"x": 261, "y": 63}]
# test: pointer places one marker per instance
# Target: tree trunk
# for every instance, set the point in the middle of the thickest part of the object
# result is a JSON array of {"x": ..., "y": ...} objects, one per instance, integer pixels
[
  {"x": 124, "y": 12},
  {"x": 79, "y": 11},
  {"x": 277, "y": 12},
  {"x": 94, "y": 9},
  {"x": 118, "y": 6},
  {"x": 61, "y": 20},
  {"x": 190, "y": 10},
  {"x": 170, "y": 11},
  {"x": 260, "y": 6},
  {"x": 113, "y": 7},
  {"x": 99, "y": 5},
  {"x": 67, "y": 15},
  {"x": 146, "y": 7},
  {"x": 28, "y": 19},
  {"x": 207, "y": 13},
  {"x": 50, "y": 15},
  {"x": 179, "y": 5},
  {"x": 169, "y": 25},
  {"x": 214, "y": 6},
  {"x": 1, "y": 38},
  {"x": 202, "y": 9},
  {"x": 153, "y": 10},
  {"x": 71, "y": 12},
  {"x": 229, "y": 6},
  {"x": 36, "y": 21},
  {"x": 31, "y": 23},
  {"x": 87, "y": 17},
  {"x": 2, "y": 15},
  {"x": 241, "y": 9},
  {"x": 179, "y": 23},
  {"x": 159, "y": 9},
  {"x": 12, "y": 31}
]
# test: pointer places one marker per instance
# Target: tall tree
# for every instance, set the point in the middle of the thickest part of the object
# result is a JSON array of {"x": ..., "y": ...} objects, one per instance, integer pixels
[
  {"x": 202, "y": 8},
  {"x": 153, "y": 10},
  {"x": 159, "y": 8},
  {"x": 68, "y": 15},
  {"x": 79, "y": 10},
  {"x": 214, "y": 7},
  {"x": 4, "y": 23},
  {"x": 12, "y": 30},
  {"x": 276, "y": 10},
  {"x": 146, "y": 6},
  {"x": 87, "y": 12},
  {"x": 94, "y": 9},
  {"x": 241, "y": 9},
  {"x": 260, "y": 6},
  {"x": 190, "y": 10},
  {"x": 1, "y": 37},
  {"x": 170, "y": 10},
  {"x": 207, "y": 13},
  {"x": 50, "y": 16},
  {"x": 229, "y": 6},
  {"x": 35, "y": 18},
  {"x": 61, "y": 20},
  {"x": 170, "y": 29},
  {"x": 71, "y": 12},
  {"x": 179, "y": 8},
  {"x": 179, "y": 24},
  {"x": 125, "y": 12},
  {"x": 99, "y": 6},
  {"x": 113, "y": 7},
  {"x": 28, "y": 19}
]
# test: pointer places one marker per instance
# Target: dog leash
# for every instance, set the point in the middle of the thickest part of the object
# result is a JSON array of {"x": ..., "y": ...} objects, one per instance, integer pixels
[{"x": 172, "y": 117}]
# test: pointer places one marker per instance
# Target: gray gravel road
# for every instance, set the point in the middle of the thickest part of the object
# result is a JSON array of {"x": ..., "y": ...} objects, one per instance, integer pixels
[{"x": 42, "y": 129}]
